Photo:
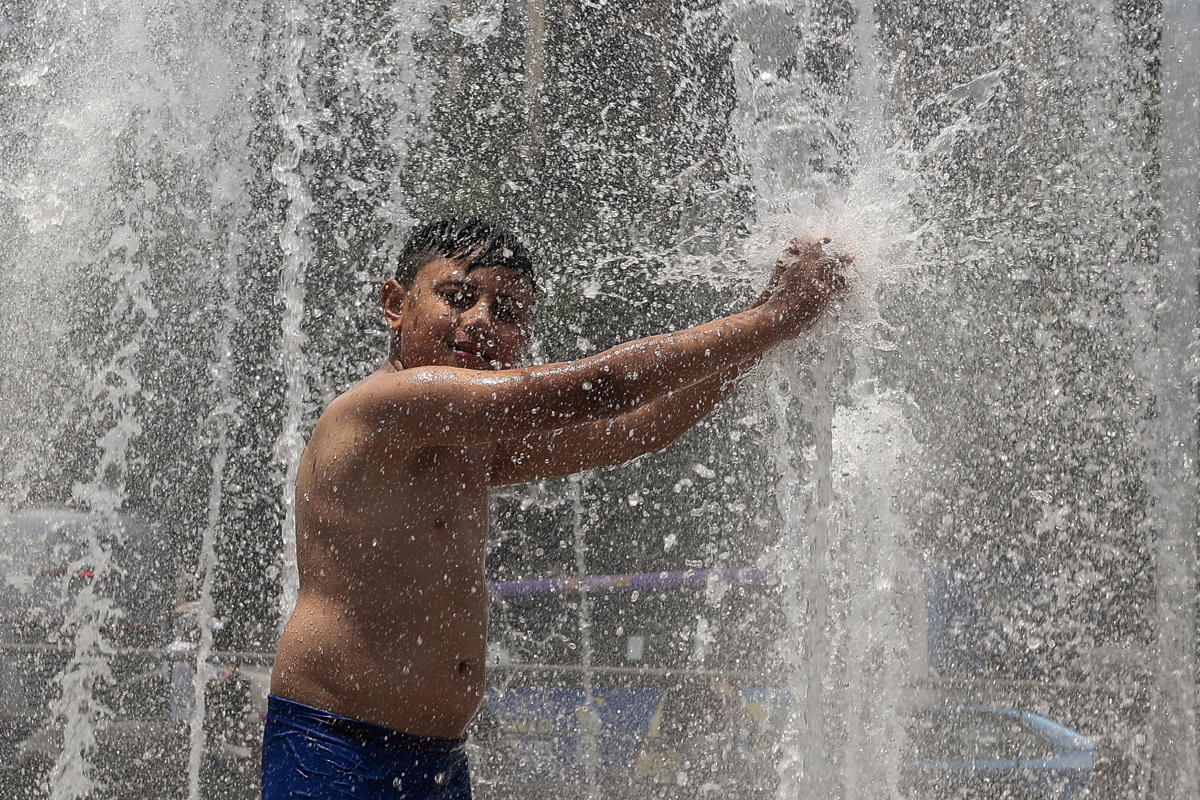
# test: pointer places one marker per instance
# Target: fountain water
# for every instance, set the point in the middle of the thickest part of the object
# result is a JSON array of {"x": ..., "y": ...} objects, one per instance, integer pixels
[
  {"x": 589, "y": 717},
  {"x": 1172, "y": 435},
  {"x": 198, "y": 204},
  {"x": 297, "y": 252},
  {"x": 109, "y": 99}
]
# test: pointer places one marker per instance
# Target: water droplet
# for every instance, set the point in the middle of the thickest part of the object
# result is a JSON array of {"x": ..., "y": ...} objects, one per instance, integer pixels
[
  {"x": 440, "y": 778},
  {"x": 397, "y": 784}
]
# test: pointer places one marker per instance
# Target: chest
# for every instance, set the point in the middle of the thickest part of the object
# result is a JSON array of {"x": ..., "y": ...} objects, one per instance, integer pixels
[{"x": 439, "y": 488}]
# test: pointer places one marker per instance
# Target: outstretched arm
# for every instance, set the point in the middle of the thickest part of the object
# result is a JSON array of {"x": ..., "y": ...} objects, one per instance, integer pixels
[
  {"x": 446, "y": 406},
  {"x": 606, "y": 443}
]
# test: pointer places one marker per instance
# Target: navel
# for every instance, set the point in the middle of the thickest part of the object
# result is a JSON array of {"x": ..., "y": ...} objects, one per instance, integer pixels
[{"x": 439, "y": 523}]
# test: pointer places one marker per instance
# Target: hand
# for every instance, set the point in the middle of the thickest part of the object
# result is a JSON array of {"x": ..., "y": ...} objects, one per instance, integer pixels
[
  {"x": 772, "y": 285},
  {"x": 806, "y": 280}
]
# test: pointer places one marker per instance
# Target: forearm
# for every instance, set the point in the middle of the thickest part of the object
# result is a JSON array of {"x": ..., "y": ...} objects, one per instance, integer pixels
[
  {"x": 666, "y": 419},
  {"x": 640, "y": 372},
  {"x": 740, "y": 339},
  {"x": 609, "y": 442}
]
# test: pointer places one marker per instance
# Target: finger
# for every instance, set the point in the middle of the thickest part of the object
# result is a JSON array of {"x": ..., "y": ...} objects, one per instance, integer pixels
[
  {"x": 833, "y": 274},
  {"x": 801, "y": 246}
]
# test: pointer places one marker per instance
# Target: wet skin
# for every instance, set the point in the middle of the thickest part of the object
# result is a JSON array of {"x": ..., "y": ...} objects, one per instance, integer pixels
[{"x": 391, "y": 524}]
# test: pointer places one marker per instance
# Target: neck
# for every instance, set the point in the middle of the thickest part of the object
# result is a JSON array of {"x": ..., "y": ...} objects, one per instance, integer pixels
[
  {"x": 393, "y": 358},
  {"x": 393, "y": 362}
]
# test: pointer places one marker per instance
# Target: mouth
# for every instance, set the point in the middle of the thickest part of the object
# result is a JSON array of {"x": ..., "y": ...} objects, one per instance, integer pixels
[{"x": 472, "y": 356}]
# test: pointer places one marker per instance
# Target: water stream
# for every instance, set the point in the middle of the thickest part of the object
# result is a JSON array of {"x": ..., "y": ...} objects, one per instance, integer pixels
[
  {"x": 294, "y": 243},
  {"x": 589, "y": 717},
  {"x": 1172, "y": 437}
]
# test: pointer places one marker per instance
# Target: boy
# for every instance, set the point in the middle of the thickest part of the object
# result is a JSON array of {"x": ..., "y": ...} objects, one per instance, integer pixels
[{"x": 380, "y": 668}]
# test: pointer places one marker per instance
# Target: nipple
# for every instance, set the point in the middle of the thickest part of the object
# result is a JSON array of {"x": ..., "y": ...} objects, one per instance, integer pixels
[{"x": 439, "y": 523}]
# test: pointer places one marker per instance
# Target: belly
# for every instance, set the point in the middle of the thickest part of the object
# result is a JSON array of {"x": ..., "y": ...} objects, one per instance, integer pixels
[{"x": 412, "y": 665}]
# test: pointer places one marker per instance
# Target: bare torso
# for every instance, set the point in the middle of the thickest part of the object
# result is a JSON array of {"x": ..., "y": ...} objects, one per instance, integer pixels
[{"x": 391, "y": 622}]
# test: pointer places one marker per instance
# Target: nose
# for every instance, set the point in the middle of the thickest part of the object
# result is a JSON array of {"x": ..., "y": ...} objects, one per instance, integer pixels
[{"x": 478, "y": 316}]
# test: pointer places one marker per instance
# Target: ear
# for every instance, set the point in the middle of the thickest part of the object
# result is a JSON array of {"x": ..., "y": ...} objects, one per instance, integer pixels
[{"x": 392, "y": 296}]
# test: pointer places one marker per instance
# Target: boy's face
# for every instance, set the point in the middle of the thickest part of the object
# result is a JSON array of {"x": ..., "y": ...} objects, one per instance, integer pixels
[{"x": 452, "y": 316}]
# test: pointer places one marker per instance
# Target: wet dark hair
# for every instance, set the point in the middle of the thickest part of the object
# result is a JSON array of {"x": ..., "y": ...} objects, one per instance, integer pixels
[{"x": 482, "y": 243}]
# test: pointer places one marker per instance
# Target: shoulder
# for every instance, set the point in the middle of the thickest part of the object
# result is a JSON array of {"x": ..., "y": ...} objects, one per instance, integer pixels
[
  {"x": 351, "y": 432},
  {"x": 394, "y": 403},
  {"x": 382, "y": 389},
  {"x": 410, "y": 395}
]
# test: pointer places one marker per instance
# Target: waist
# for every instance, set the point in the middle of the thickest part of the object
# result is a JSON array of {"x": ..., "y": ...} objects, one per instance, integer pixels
[
  {"x": 326, "y": 640},
  {"x": 393, "y": 609},
  {"x": 289, "y": 712}
]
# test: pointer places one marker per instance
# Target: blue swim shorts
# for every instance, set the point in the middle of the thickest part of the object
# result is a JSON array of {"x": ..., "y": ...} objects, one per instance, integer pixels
[{"x": 310, "y": 753}]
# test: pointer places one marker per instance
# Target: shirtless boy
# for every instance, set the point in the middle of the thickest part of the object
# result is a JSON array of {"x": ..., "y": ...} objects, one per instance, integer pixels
[{"x": 381, "y": 666}]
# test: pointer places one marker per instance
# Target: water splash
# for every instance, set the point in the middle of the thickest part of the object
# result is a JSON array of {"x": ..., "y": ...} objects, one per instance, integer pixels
[
  {"x": 589, "y": 716},
  {"x": 803, "y": 642},
  {"x": 408, "y": 81},
  {"x": 58, "y": 156},
  {"x": 229, "y": 145},
  {"x": 126, "y": 112},
  {"x": 1172, "y": 375},
  {"x": 293, "y": 118},
  {"x": 879, "y": 641},
  {"x": 114, "y": 383},
  {"x": 872, "y": 221},
  {"x": 835, "y": 561}
]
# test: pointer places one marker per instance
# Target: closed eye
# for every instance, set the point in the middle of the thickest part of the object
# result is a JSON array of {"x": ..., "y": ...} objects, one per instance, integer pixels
[{"x": 458, "y": 299}]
